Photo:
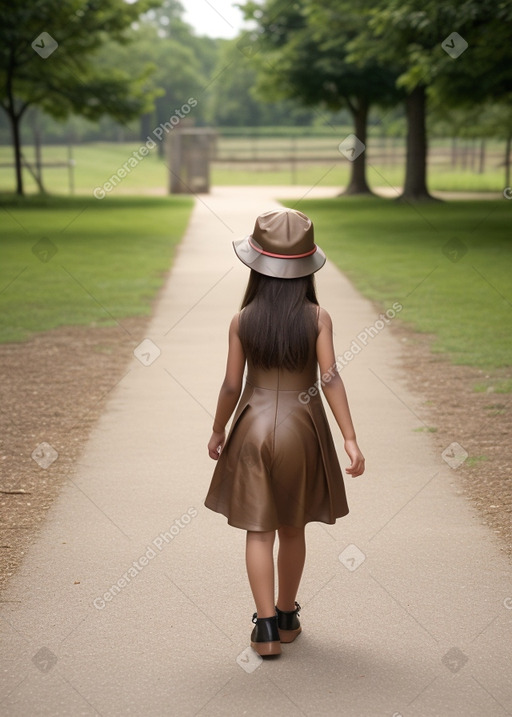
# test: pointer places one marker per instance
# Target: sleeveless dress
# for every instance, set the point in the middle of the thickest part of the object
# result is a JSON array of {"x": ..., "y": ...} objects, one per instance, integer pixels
[{"x": 279, "y": 464}]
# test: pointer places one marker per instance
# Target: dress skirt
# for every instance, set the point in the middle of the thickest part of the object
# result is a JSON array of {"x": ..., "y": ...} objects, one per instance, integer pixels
[{"x": 279, "y": 465}]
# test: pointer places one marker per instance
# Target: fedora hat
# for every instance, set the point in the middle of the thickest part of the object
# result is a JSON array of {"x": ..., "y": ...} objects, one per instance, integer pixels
[{"x": 281, "y": 245}]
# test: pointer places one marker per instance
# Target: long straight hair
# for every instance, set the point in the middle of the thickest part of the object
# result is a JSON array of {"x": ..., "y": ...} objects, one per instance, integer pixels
[{"x": 278, "y": 323}]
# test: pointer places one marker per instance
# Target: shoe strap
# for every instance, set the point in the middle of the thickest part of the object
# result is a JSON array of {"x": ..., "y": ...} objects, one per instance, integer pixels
[{"x": 291, "y": 612}]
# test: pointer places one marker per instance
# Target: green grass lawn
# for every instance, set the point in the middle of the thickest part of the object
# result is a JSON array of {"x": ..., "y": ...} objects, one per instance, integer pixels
[
  {"x": 378, "y": 175},
  {"x": 83, "y": 261},
  {"x": 94, "y": 164},
  {"x": 449, "y": 264}
]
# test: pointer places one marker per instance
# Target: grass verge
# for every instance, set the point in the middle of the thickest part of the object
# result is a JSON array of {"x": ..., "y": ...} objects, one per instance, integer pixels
[
  {"x": 69, "y": 262},
  {"x": 447, "y": 263}
]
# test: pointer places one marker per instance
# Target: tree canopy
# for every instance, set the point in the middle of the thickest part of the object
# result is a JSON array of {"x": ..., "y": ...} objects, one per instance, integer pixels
[
  {"x": 302, "y": 63},
  {"x": 300, "y": 53},
  {"x": 451, "y": 51},
  {"x": 55, "y": 69}
]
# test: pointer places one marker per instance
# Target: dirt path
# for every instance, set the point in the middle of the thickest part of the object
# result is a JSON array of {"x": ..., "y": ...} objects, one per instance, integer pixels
[
  {"x": 480, "y": 422},
  {"x": 53, "y": 388}
]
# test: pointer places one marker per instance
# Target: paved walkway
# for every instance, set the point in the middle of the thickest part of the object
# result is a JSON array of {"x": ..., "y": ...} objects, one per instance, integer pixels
[{"x": 406, "y": 601}]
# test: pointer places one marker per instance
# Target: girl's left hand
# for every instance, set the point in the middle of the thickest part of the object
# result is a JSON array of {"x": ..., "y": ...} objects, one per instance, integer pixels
[
  {"x": 357, "y": 459},
  {"x": 216, "y": 444}
]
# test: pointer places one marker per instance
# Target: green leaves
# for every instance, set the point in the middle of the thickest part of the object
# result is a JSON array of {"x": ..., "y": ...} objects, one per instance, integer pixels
[
  {"x": 305, "y": 53},
  {"x": 67, "y": 80}
]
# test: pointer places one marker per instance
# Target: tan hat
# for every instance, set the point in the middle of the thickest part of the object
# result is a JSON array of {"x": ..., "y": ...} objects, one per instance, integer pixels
[{"x": 281, "y": 245}]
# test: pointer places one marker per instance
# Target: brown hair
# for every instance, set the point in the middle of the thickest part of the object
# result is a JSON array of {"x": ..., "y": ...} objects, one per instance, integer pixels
[{"x": 277, "y": 321}]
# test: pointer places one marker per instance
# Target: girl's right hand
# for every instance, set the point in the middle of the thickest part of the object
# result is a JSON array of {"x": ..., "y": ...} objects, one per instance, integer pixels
[
  {"x": 357, "y": 459},
  {"x": 216, "y": 444}
]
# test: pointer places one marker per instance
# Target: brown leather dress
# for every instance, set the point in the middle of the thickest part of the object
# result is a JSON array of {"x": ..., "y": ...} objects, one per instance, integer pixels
[{"x": 279, "y": 464}]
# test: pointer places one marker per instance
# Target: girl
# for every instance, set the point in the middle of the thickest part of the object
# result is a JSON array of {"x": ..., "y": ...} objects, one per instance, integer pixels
[{"x": 278, "y": 468}]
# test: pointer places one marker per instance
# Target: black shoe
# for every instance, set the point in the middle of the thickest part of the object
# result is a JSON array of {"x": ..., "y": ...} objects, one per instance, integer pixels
[
  {"x": 265, "y": 636},
  {"x": 288, "y": 624}
]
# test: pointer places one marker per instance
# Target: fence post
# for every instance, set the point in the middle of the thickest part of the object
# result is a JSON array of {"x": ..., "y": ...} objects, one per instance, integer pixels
[
  {"x": 481, "y": 166},
  {"x": 293, "y": 149},
  {"x": 190, "y": 154}
]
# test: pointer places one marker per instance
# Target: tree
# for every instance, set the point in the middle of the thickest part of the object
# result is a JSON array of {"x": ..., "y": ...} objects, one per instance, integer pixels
[
  {"x": 175, "y": 73},
  {"x": 232, "y": 101},
  {"x": 436, "y": 43},
  {"x": 182, "y": 62},
  {"x": 481, "y": 83},
  {"x": 300, "y": 54},
  {"x": 56, "y": 71}
]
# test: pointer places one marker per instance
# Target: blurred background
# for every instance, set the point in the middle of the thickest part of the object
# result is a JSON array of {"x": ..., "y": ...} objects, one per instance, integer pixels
[{"x": 281, "y": 84}]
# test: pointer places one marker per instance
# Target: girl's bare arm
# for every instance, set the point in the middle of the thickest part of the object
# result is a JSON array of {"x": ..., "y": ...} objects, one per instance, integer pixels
[
  {"x": 229, "y": 391},
  {"x": 334, "y": 392}
]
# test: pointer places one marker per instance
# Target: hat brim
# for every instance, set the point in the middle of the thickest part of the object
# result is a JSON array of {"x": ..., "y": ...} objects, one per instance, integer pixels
[{"x": 273, "y": 266}]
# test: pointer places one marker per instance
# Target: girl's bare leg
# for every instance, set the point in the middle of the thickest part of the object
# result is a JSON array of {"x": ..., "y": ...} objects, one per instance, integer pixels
[
  {"x": 290, "y": 563},
  {"x": 260, "y": 570}
]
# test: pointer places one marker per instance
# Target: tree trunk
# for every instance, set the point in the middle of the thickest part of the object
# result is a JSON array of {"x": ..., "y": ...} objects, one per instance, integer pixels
[
  {"x": 14, "y": 121},
  {"x": 36, "y": 127},
  {"x": 473, "y": 154},
  {"x": 16, "y": 141},
  {"x": 35, "y": 174},
  {"x": 465, "y": 156},
  {"x": 415, "y": 183},
  {"x": 145, "y": 125},
  {"x": 357, "y": 183},
  {"x": 507, "y": 160},
  {"x": 454, "y": 152},
  {"x": 481, "y": 165}
]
